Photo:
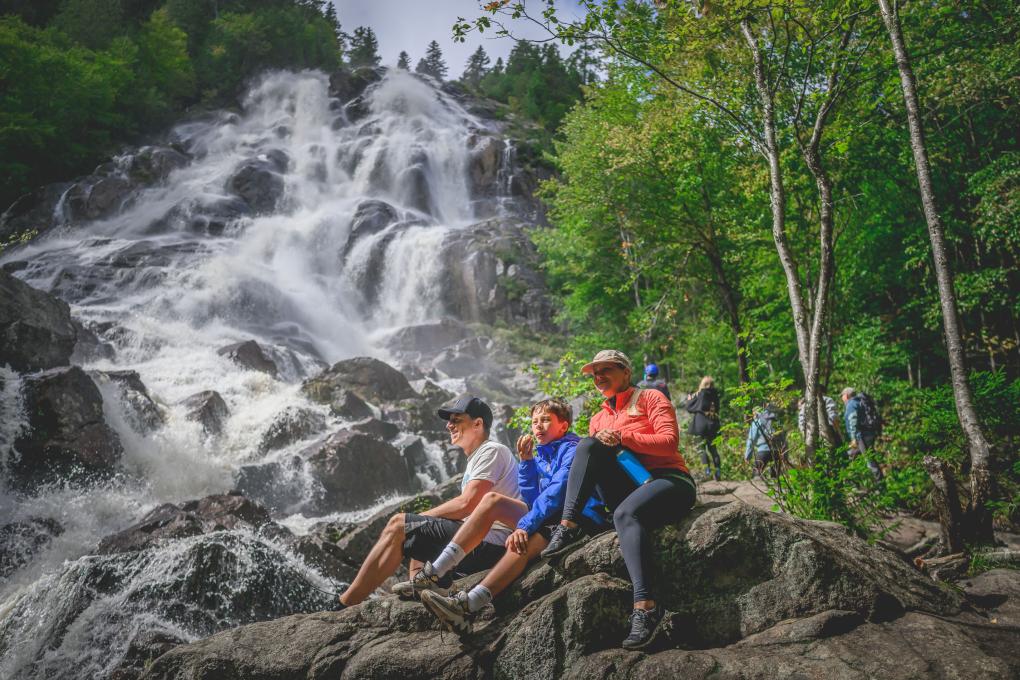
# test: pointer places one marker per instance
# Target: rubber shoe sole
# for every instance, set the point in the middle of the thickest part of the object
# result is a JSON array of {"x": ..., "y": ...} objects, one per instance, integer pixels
[
  {"x": 448, "y": 611},
  {"x": 406, "y": 590}
]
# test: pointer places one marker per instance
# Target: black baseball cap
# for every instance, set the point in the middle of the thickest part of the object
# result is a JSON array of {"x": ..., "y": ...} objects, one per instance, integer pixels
[{"x": 472, "y": 406}]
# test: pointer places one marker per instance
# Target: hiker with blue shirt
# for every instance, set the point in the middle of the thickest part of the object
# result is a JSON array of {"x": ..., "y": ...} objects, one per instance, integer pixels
[
  {"x": 760, "y": 446},
  {"x": 652, "y": 381},
  {"x": 542, "y": 478},
  {"x": 863, "y": 425}
]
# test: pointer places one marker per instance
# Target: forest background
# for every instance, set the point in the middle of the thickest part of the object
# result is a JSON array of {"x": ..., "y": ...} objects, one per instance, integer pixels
[{"x": 661, "y": 233}]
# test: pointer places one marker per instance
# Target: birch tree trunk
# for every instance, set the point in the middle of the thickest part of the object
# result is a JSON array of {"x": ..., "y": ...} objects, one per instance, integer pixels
[{"x": 979, "y": 520}]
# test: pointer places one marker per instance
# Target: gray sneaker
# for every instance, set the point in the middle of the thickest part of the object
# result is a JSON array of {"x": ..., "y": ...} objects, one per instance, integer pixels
[
  {"x": 452, "y": 611},
  {"x": 421, "y": 582}
]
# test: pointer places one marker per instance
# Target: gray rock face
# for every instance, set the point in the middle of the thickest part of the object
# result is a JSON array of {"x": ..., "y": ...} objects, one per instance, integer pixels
[
  {"x": 249, "y": 354},
  {"x": 374, "y": 427},
  {"x": 36, "y": 331},
  {"x": 484, "y": 164},
  {"x": 370, "y": 218},
  {"x": 346, "y": 84},
  {"x": 193, "y": 518},
  {"x": 751, "y": 594},
  {"x": 209, "y": 409},
  {"x": 154, "y": 163},
  {"x": 356, "y": 469},
  {"x": 430, "y": 337},
  {"x": 68, "y": 439},
  {"x": 19, "y": 541},
  {"x": 370, "y": 379},
  {"x": 144, "y": 415}
]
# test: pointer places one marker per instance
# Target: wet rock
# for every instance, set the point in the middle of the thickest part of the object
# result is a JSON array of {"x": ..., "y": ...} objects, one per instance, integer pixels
[
  {"x": 291, "y": 425},
  {"x": 355, "y": 470},
  {"x": 212, "y": 217},
  {"x": 146, "y": 646},
  {"x": 467, "y": 357},
  {"x": 19, "y": 541},
  {"x": 35, "y": 212},
  {"x": 36, "y": 331},
  {"x": 259, "y": 181},
  {"x": 418, "y": 413},
  {"x": 346, "y": 84},
  {"x": 207, "y": 408},
  {"x": 88, "y": 347},
  {"x": 370, "y": 379},
  {"x": 414, "y": 183},
  {"x": 282, "y": 486},
  {"x": 67, "y": 439},
  {"x": 370, "y": 218},
  {"x": 374, "y": 427},
  {"x": 249, "y": 354},
  {"x": 106, "y": 196},
  {"x": 155, "y": 163},
  {"x": 193, "y": 518},
  {"x": 143, "y": 414},
  {"x": 484, "y": 164}
]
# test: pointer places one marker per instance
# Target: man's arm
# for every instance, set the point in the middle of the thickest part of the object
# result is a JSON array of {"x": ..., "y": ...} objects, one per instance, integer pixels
[{"x": 462, "y": 506}]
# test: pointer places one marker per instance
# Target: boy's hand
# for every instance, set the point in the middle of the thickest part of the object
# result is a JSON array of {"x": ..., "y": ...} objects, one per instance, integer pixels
[
  {"x": 517, "y": 541},
  {"x": 526, "y": 447}
]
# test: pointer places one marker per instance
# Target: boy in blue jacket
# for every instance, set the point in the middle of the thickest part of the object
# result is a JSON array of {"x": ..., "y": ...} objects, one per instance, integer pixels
[{"x": 542, "y": 477}]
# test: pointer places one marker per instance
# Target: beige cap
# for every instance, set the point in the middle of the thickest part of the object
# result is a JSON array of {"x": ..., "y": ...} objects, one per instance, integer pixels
[{"x": 608, "y": 356}]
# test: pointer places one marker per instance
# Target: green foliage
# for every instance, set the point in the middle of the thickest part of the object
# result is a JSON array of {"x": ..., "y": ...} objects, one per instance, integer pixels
[
  {"x": 563, "y": 382},
  {"x": 432, "y": 63},
  {"x": 364, "y": 50}
]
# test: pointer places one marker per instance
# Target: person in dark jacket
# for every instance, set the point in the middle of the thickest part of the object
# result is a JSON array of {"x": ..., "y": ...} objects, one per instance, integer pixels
[
  {"x": 652, "y": 381},
  {"x": 542, "y": 478},
  {"x": 704, "y": 405}
]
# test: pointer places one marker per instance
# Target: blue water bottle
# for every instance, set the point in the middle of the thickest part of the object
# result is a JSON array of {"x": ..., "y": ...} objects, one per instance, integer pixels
[{"x": 633, "y": 467}]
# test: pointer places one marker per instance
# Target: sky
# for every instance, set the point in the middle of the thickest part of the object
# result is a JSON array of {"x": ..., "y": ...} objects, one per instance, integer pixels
[{"x": 410, "y": 25}]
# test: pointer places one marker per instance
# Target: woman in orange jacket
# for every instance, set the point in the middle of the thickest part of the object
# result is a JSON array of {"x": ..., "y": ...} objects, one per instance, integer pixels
[{"x": 644, "y": 423}]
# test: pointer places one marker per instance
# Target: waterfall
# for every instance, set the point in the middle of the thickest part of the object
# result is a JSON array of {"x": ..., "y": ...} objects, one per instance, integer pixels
[{"x": 311, "y": 225}]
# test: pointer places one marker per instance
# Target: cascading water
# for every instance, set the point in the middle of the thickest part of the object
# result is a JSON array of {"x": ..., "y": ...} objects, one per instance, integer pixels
[{"x": 337, "y": 242}]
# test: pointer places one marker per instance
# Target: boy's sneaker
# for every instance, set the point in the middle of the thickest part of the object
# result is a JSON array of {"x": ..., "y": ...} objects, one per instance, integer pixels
[
  {"x": 643, "y": 623},
  {"x": 452, "y": 611},
  {"x": 421, "y": 582},
  {"x": 562, "y": 539}
]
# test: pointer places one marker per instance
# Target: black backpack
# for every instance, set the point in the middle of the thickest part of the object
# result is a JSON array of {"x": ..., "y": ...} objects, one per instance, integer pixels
[{"x": 868, "y": 417}]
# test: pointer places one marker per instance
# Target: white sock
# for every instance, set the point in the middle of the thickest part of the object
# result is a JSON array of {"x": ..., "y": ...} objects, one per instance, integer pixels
[
  {"x": 478, "y": 597},
  {"x": 448, "y": 559}
]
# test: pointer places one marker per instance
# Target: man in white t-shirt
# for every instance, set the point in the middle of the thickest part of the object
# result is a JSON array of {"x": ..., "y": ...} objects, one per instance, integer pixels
[{"x": 491, "y": 471}]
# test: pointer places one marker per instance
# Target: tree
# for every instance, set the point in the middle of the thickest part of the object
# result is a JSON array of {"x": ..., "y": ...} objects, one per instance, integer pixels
[
  {"x": 364, "y": 49},
  {"x": 404, "y": 61},
  {"x": 432, "y": 63},
  {"x": 982, "y": 481},
  {"x": 477, "y": 67}
]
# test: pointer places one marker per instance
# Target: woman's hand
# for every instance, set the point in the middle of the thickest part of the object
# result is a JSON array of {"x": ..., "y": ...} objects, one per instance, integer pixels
[
  {"x": 517, "y": 541},
  {"x": 526, "y": 447},
  {"x": 609, "y": 437}
]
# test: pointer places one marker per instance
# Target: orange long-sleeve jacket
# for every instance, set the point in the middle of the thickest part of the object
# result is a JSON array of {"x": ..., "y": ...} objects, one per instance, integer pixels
[{"x": 649, "y": 430}]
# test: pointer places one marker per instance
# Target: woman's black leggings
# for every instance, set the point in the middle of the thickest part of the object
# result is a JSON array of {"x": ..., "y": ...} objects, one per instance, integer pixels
[{"x": 637, "y": 509}]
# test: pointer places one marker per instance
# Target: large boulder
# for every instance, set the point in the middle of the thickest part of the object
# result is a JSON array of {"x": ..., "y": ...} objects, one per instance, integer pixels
[
  {"x": 484, "y": 165},
  {"x": 141, "y": 411},
  {"x": 429, "y": 337},
  {"x": 750, "y": 594},
  {"x": 208, "y": 409},
  {"x": 36, "y": 331},
  {"x": 291, "y": 425},
  {"x": 370, "y": 379},
  {"x": 356, "y": 469},
  {"x": 67, "y": 438},
  {"x": 371, "y": 217},
  {"x": 259, "y": 180},
  {"x": 346, "y": 83},
  {"x": 249, "y": 354},
  {"x": 193, "y": 518}
]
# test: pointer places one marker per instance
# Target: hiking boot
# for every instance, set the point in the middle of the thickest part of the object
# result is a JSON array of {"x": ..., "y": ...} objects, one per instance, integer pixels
[
  {"x": 562, "y": 539},
  {"x": 452, "y": 611},
  {"x": 421, "y": 582},
  {"x": 718, "y": 475},
  {"x": 643, "y": 624}
]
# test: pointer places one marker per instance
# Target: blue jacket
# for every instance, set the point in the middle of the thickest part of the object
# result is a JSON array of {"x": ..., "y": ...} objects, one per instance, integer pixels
[
  {"x": 851, "y": 418},
  {"x": 543, "y": 484},
  {"x": 761, "y": 427}
]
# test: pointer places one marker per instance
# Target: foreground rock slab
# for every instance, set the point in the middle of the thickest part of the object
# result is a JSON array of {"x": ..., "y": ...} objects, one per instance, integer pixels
[{"x": 752, "y": 594}]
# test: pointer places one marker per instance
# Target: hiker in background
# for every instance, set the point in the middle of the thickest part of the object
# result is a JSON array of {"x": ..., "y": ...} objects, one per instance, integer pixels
[
  {"x": 704, "y": 405},
  {"x": 831, "y": 413},
  {"x": 652, "y": 381},
  {"x": 763, "y": 440},
  {"x": 635, "y": 430},
  {"x": 546, "y": 455},
  {"x": 863, "y": 426}
]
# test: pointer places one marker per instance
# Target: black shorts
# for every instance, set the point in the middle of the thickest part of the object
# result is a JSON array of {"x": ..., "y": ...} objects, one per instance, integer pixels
[{"x": 425, "y": 537}]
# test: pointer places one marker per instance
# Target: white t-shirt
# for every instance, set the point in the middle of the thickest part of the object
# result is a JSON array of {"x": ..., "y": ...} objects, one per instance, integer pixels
[{"x": 493, "y": 462}]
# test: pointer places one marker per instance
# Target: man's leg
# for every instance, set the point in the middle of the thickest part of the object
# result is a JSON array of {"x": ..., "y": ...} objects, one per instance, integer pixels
[
  {"x": 382, "y": 561},
  {"x": 493, "y": 507}
]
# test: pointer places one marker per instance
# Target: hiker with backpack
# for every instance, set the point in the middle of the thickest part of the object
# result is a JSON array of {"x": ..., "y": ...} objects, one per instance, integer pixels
[
  {"x": 652, "y": 381},
  {"x": 765, "y": 440},
  {"x": 705, "y": 424},
  {"x": 631, "y": 458},
  {"x": 863, "y": 426}
]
